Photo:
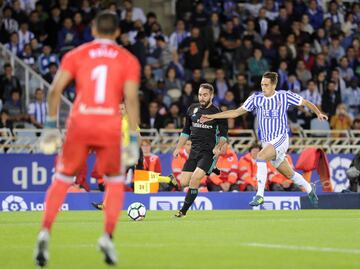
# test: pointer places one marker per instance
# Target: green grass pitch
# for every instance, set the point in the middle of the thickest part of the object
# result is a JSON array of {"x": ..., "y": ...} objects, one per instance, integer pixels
[{"x": 204, "y": 239}]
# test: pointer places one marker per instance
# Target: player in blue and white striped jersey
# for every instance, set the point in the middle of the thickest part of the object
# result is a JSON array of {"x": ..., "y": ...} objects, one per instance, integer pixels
[{"x": 271, "y": 107}]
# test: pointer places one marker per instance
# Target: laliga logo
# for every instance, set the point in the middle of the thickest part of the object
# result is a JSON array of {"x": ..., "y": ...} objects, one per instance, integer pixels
[
  {"x": 338, "y": 167},
  {"x": 14, "y": 203}
]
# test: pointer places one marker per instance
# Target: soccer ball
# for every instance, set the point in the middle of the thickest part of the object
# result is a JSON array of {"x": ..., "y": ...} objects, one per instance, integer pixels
[{"x": 136, "y": 211}]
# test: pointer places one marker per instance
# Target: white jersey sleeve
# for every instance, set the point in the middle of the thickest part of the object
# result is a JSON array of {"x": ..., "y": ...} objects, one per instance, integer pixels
[
  {"x": 249, "y": 103},
  {"x": 293, "y": 98}
]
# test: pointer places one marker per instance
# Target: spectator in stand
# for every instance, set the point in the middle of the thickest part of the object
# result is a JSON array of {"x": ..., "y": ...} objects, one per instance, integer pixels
[
  {"x": 311, "y": 94},
  {"x": 305, "y": 25},
  {"x": 320, "y": 65},
  {"x": 196, "y": 80},
  {"x": 137, "y": 13},
  {"x": 230, "y": 42},
  {"x": 283, "y": 54},
  {"x": 355, "y": 125},
  {"x": 321, "y": 82},
  {"x": 353, "y": 61},
  {"x": 336, "y": 51},
  {"x": 195, "y": 51},
  {"x": 151, "y": 161},
  {"x": 349, "y": 27},
  {"x": 153, "y": 119},
  {"x": 127, "y": 23},
  {"x": 27, "y": 56},
  {"x": 229, "y": 100},
  {"x": 284, "y": 21},
  {"x": 25, "y": 36},
  {"x": 36, "y": 26},
  {"x": 341, "y": 120},
  {"x": 199, "y": 18},
  {"x": 269, "y": 52},
  {"x": 46, "y": 58},
  {"x": 37, "y": 110},
  {"x": 248, "y": 168},
  {"x": 340, "y": 84},
  {"x": 16, "y": 109},
  {"x": 8, "y": 83},
  {"x": 53, "y": 26},
  {"x": 250, "y": 31},
  {"x": 5, "y": 121},
  {"x": 335, "y": 15},
  {"x": 262, "y": 22},
  {"x": 291, "y": 46},
  {"x": 319, "y": 40},
  {"x": 67, "y": 37},
  {"x": 221, "y": 85},
  {"x": 330, "y": 99},
  {"x": 14, "y": 45},
  {"x": 315, "y": 14},
  {"x": 49, "y": 76},
  {"x": 174, "y": 116},
  {"x": 293, "y": 84},
  {"x": 178, "y": 35},
  {"x": 257, "y": 66},
  {"x": 188, "y": 97},
  {"x": 302, "y": 73},
  {"x": 346, "y": 73},
  {"x": 227, "y": 163},
  {"x": 283, "y": 75},
  {"x": 172, "y": 84},
  {"x": 240, "y": 89},
  {"x": 18, "y": 12},
  {"x": 211, "y": 35},
  {"x": 307, "y": 56},
  {"x": 351, "y": 97},
  {"x": 244, "y": 52},
  {"x": 83, "y": 31},
  {"x": 8, "y": 25},
  {"x": 278, "y": 182}
]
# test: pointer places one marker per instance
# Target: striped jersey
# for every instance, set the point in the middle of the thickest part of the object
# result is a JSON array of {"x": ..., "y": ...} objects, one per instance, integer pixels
[{"x": 271, "y": 112}]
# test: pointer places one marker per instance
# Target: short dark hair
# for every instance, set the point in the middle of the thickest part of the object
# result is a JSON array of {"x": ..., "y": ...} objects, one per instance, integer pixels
[
  {"x": 106, "y": 23},
  {"x": 207, "y": 86},
  {"x": 273, "y": 76}
]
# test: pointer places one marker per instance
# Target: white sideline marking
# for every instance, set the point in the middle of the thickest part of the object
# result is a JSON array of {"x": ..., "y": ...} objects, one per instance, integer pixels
[{"x": 304, "y": 248}]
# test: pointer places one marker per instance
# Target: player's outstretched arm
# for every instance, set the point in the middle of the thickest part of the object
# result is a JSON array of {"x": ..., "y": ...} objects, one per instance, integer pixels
[
  {"x": 234, "y": 113},
  {"x": 61, "y": 80},
  {"x": 314, "y": 109}
]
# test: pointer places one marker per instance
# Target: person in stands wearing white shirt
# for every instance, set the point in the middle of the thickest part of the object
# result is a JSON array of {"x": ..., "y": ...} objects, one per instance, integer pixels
[{"x": 37, "y": 110}]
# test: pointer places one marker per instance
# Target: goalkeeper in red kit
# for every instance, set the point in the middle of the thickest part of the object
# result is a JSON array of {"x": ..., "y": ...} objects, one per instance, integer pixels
[{"x": 105, "y": 75}]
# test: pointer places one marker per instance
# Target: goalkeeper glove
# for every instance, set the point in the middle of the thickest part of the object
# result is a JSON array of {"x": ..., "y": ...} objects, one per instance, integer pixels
[{"x": 50, "y": 140}]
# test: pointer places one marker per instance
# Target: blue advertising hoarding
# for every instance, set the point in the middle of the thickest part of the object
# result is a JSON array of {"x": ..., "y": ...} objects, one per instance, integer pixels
[
  {"x": 34, "y": 172},
  {"x": 34, "y": 201}
]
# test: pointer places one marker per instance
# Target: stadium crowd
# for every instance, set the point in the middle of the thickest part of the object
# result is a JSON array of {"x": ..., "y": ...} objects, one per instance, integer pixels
[{"x": 313, "y": 45}]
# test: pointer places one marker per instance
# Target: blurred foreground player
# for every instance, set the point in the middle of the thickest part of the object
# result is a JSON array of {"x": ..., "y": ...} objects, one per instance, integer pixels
[{"x": 104, "y": 73}]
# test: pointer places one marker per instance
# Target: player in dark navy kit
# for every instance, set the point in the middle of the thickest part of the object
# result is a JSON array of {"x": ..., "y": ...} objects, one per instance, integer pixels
[{"x": 207, "y": 141}]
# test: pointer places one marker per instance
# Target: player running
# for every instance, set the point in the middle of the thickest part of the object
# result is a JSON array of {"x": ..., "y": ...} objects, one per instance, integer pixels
[
  {"x": 271, "y": 107},
  {"x": 207, "y": 141},
  {"x": 104, "y": 74}
]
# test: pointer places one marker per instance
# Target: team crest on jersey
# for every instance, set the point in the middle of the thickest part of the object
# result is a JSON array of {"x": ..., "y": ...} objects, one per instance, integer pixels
[{"x": 278, "y": 103}]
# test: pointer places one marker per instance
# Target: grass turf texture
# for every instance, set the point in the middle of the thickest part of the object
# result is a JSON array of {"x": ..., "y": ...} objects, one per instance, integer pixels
[{"x": 204, "y": 239}]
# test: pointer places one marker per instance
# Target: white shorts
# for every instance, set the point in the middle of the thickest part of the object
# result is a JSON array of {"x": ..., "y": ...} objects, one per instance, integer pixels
[{"x": 281, "y": 145}]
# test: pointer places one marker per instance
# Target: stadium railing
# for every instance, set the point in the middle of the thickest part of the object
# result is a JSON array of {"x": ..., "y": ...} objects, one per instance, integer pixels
[
  {"x": 164, "y": 140},
  {"x": 30, "y": 80}
]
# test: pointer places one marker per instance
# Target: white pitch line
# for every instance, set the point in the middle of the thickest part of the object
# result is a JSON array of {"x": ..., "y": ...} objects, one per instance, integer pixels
[{"x": 304, "y": 248}]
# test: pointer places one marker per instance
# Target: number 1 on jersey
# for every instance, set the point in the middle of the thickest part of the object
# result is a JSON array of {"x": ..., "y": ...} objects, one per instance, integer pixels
[{"x": 99, "y": 74}]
